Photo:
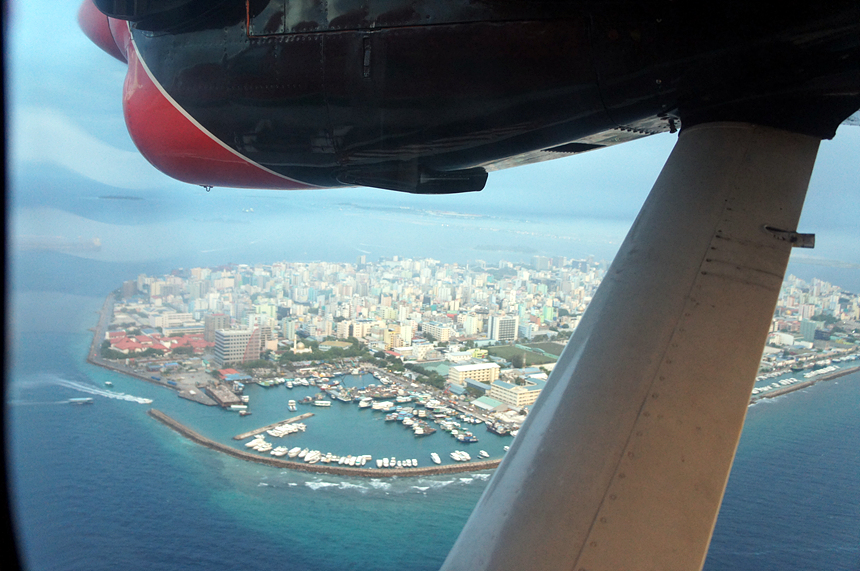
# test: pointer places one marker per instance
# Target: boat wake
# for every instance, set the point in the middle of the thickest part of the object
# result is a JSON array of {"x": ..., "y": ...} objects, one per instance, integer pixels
[{"x": 89, "y": 389}]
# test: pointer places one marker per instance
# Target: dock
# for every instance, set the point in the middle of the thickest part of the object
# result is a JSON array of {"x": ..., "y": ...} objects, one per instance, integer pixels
[
  {"x": 257, "y": 431},
  {"x": 320, "y": 468}
]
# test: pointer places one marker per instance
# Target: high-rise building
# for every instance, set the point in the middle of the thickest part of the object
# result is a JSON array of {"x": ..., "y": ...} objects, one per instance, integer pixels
[
  {"x": 288, "y": 329},
  {"x": 503, "y": 328},
  {"x": 540, "y": 263},
  {"x": 231, "y": 345},
  {"x": 214, "y": 322},
  {"x": 129, "y": 288}
]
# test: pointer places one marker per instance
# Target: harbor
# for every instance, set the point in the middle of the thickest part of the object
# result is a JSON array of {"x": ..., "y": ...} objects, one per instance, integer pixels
[
  {"x": 368, "y": 422},
  {"x": 257, "y": 431},
  {"x": 320, "y": 468}
]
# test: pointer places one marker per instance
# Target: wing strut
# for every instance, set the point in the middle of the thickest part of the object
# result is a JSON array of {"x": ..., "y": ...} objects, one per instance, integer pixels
[{"x": 624, "y": 460}]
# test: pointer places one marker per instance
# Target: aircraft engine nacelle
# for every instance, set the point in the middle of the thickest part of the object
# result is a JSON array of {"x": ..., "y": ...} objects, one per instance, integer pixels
[{"x": 428, "y": 97}]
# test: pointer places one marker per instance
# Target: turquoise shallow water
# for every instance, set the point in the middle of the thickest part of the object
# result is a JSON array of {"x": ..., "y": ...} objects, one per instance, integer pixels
[{"x": 107, "y": 487}]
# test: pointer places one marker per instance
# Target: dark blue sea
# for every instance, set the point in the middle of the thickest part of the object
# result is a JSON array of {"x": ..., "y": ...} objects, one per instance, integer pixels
[{"x": 107, "y": 487}]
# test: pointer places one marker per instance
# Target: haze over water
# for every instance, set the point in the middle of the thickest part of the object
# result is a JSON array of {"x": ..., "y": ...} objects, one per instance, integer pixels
[{"x": 106, "y": 487}]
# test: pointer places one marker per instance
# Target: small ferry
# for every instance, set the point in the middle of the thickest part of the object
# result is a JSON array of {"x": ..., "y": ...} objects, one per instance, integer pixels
[
  {"x": 322, "y": 403},
  {"x": 81, "y": 400}
]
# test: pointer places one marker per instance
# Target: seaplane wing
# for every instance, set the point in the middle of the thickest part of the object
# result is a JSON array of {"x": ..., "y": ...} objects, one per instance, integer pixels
[{"x": 624, "y": 460}]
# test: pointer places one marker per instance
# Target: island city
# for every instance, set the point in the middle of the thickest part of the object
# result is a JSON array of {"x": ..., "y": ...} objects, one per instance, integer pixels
[{"x": 431, "y": 346}]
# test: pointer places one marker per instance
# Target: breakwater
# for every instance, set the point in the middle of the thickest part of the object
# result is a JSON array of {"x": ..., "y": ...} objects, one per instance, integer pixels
[
  {"x": 256, "y": 431},
  {"x": 804, "y": 384},
  {"x": 320, "y": 468}
]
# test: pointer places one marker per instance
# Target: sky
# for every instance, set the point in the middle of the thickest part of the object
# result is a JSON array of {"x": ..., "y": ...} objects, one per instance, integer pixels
[{"x": 65, "y": 120}]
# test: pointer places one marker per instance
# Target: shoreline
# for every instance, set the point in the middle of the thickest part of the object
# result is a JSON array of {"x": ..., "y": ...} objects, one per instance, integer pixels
[
  {"x": 93, "y": 358},
  {"x": 317, "y": 468},
  {"x": 804, "y": 384}
]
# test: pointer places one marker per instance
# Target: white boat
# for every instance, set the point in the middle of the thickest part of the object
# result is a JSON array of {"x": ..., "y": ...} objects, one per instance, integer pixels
[
  {"x": 385, "y": 462},
  {"x": 322, "y": 403},
  {"x": 291, "y": 404},
  {"x": 379, "y": 463},
  {"x": 289, "y": 384},
  {"x": 294, "y": 452},
  {"x": 414, "y": 463},
  {"x": 483, "y": 454},
  {"x": 303, "y": 453},
  {"x": 435, "y": 458}
]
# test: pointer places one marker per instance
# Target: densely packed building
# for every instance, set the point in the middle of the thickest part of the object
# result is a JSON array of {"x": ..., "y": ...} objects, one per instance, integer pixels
[{"x": 389, "y": 305}]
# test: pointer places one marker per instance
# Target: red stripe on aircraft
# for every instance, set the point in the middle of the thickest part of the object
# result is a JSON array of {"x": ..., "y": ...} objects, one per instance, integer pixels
[
  {"x": 98, "y": 28},
  {"x": 177, "y": 145}
]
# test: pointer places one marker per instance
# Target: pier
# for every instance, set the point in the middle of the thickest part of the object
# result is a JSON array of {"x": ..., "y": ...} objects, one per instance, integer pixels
[
  {"x": 256, "y": 431},
  {"x": 320, "y": 468},
  {"x": 804, "y": 384}
]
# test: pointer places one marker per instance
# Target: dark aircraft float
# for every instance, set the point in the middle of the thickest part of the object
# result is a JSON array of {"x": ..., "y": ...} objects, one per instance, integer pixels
[{"x": 623, "y": 462}]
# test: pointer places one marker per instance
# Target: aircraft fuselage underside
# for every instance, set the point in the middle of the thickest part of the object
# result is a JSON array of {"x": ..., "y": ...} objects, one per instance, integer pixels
[{"x": 424, "y": 96}]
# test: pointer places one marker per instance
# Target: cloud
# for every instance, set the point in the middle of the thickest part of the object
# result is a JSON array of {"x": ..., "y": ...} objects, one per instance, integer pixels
[{"x": 48, "y": 136}]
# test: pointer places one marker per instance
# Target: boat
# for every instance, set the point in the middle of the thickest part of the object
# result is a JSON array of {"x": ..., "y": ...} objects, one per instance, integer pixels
[
  {"x": 435, "y": 458},
  {"x": 291, "y": 404},
  {"x": 244, "y": 412},
  {"x": 294, "y": 452},
  {"x": 81, "y": 400},
  {"x": 322, "y": 403},
  {"x": 303, "y": 453},
  {"x": 498, "y": 428},
  {"x": 483, "y": 454},
  {"x": 414, "y": 463},
  {"x": 108, "y": 384}
]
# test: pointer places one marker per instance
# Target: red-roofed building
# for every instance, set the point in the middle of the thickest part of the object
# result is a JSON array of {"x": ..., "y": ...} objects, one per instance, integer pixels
[
  {"x": 126, "y": 345},
  {"x": 225, "y": 372}
]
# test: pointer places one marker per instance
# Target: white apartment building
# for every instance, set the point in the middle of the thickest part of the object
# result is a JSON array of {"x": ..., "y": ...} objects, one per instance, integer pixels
[
  {"x": 483, "y": 373},
  {"x": 503, "y": 328}
]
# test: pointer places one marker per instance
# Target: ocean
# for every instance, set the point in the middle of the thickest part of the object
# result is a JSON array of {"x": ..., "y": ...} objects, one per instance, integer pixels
[{"x": 107, "y": 487}]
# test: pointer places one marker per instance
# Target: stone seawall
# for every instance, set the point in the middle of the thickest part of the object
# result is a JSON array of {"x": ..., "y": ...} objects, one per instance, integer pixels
[
  {"x": 804, "y": 384},
  {"x": 320, "y": 468}
]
